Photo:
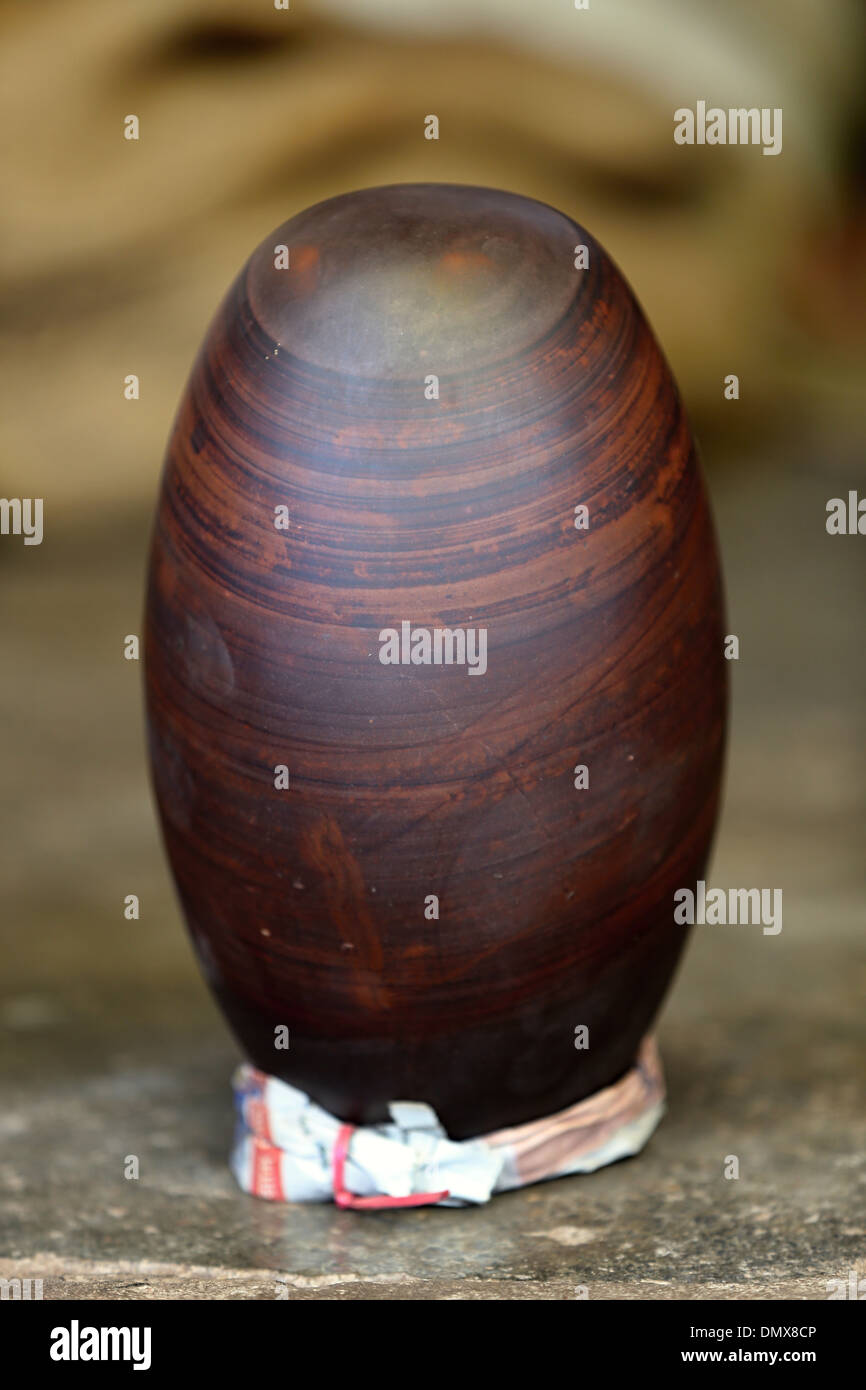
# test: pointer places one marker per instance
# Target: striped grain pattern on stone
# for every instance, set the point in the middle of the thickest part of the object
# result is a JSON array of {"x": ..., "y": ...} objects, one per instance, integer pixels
[{"x": 310, "y": 905}]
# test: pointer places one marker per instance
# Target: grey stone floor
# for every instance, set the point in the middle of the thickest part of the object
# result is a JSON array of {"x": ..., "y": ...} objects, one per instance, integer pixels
[{"x": 111, "y": 1045}]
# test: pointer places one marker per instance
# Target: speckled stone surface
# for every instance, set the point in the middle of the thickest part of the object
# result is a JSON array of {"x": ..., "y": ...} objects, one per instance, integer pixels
[{"x": 112, "y": 1047}]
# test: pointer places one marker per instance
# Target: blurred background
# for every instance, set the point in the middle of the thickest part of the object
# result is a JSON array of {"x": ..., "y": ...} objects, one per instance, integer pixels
[{"x": 113, "y": 256}]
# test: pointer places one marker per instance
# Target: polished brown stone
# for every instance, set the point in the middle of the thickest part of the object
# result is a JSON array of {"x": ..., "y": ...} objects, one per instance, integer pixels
[{"x": 604, "y": 648}]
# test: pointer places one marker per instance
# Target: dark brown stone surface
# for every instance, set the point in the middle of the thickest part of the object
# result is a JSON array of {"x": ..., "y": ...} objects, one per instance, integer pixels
[{"x": 604, "y": 648}]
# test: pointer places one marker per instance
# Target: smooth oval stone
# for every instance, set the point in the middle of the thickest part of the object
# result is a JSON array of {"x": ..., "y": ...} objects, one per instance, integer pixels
[{"x": 438, "y": 898}]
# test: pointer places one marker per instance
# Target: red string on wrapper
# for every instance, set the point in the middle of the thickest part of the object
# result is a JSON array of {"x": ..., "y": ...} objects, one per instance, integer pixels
[
  {"x": 343, "y": 1198},
  {"x": 287, "y": 1149}
]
